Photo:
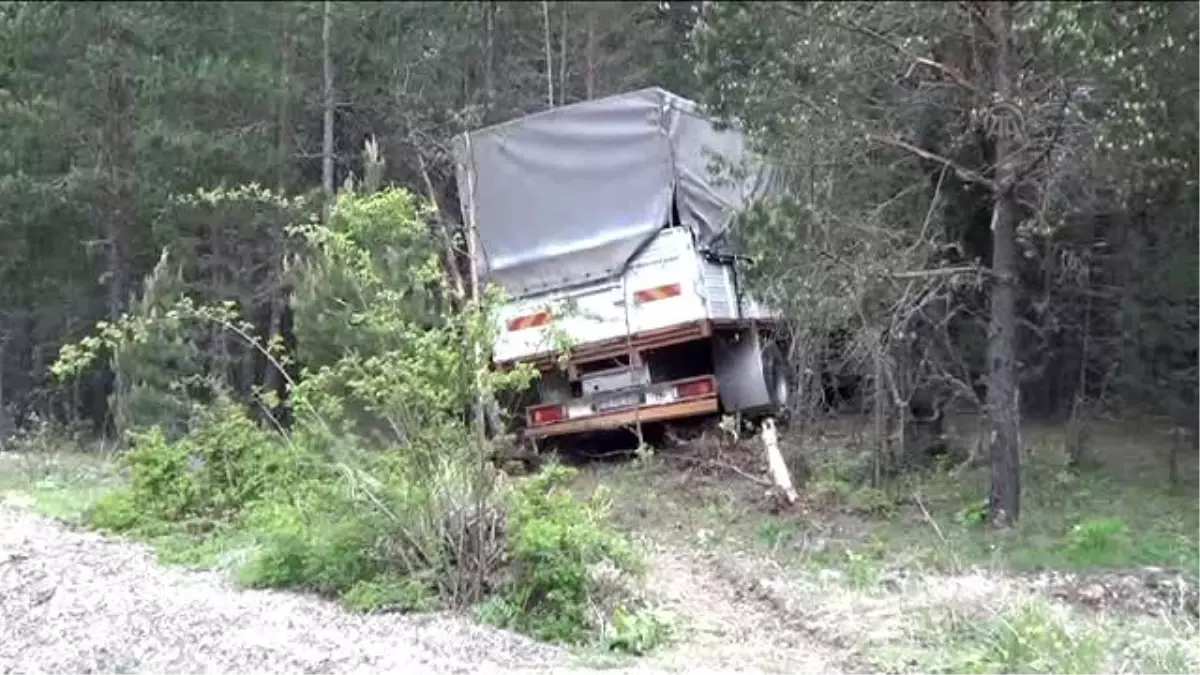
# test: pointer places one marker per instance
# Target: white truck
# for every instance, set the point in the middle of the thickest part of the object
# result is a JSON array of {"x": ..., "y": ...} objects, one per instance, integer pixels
[{"x": 606, "y": 222}]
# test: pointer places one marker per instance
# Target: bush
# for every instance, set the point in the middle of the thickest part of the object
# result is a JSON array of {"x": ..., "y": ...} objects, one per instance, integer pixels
[
  {"x": 553, "y": 542},
  {"x": 1097, "y": 540},
  {"x": 219, "y": 467},
  {"x": 380, "y": 494},
  {"x": 382, "y": 531}
]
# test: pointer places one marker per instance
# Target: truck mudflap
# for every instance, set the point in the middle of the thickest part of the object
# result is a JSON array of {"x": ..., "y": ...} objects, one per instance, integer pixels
[{"x": 610, "y": 410}]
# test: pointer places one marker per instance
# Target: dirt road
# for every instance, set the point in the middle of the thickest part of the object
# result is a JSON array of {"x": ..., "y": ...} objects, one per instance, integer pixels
[{"x": 76, "y": 601}]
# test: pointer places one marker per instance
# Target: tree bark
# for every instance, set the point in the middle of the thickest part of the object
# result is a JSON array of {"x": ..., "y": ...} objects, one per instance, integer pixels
[
  {"x": 284, "y": 132},
  {"x": 1004, "y": 415},
  {"x": 562, "y": 56},
  {"x": 591, "y": 53},
  {"x": 489, "y": 60},
  {"x": 118, "y": 162},
  {"x": 327, "y": 137},
  {"x": 549, "y": 53}
]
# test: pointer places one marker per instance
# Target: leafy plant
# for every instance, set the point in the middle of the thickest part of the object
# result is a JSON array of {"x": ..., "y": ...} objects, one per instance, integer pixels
[
  {"x": 972, "y": 514},
  {"x": 1097, "y": 539},
  {"x": 553, "y": 540},
  {"x": 635, "y": 632},
  {"x": 380, "y": 493}
]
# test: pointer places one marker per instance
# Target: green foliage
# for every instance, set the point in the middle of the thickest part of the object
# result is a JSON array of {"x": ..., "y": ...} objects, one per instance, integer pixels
[
  {"x": 390, "y": 594},
  {"x": 223, "y": 464},
  {"x": 1027, "y": 639},
  {"x": 553, "y": 542},
  {"x": 1097, "y": 539},
  {"x": 972, "y": 514},
  {"x": 872, "y": 501},
  {"x": 635, "y": 632},
  {"x": 381, "y": 493}
]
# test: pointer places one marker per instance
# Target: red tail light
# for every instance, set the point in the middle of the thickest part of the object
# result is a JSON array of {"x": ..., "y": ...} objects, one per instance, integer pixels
[
  {"x": 657, "y": 293},
  {"x": 529, "y": 321},
  {"x": 695, "y": 388},
  {"x": 547, "y": 414}
]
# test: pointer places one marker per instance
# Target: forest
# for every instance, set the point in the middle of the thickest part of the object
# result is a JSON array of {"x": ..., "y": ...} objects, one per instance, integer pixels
[{"x": 232, "y": 230}]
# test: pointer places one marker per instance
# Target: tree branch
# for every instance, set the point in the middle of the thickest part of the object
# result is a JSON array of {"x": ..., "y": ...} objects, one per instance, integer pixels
[
  {"x": 940, "y": 272},
  {"x": 1045, "y": 154},
  {"x": 960, "y": 170}
]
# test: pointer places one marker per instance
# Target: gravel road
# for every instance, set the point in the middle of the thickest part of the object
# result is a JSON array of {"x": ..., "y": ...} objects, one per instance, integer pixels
[{"x": 76, "y": 602}]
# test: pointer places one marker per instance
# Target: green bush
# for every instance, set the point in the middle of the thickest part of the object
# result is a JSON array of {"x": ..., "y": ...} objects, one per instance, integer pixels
[
  {"x": 1095, "y": 541},
  {"x": 554, "y": 540},
  {"x": 379, "y": 494},
  {"x": 218, "y": 468}
]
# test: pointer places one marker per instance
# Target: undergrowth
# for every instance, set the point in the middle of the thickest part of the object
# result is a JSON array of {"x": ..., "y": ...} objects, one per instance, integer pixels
[
  {"x": 1035, "y": 636},
  {"x": 379, "y": 494}
]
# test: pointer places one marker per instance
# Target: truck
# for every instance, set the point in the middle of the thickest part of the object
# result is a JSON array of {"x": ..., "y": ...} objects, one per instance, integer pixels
[{"x": 607, "y": 223}]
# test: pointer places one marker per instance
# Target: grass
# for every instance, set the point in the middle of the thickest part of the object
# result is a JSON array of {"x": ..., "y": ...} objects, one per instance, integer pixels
[
  {"x": 1115, "y": 517},
  {"x": 869, "y": 563},
  {"x": 62, "y": 485},
  {"x": 862, "y": 548},
  {"x": 1031, "y": 635},
  {"x": 65, "y": 485},
  {"x": 1120, "y": 514}
]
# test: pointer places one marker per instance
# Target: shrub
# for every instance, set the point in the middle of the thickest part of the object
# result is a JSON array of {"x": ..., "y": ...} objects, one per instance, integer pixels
[
  {"x": 553, "y": 541},
  {"x": 380, "y": 493},
  {"x": 220, "y": 466},
  {"x": 1096, "y": 540}
]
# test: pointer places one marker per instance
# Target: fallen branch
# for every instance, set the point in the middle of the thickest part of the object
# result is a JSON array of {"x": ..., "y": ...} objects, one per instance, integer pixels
[{"x": 717, "y": 464}]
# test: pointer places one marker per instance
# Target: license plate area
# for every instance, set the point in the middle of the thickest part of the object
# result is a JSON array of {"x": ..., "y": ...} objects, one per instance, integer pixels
[{"x": 618, "y": 402}]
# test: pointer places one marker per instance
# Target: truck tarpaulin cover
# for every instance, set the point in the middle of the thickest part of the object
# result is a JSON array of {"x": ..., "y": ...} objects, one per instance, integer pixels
[{"x": 570, "y": 195}]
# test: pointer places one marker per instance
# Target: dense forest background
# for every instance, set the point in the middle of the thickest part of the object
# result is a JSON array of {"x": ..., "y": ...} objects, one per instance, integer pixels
[{"x": 905, "y": 128}]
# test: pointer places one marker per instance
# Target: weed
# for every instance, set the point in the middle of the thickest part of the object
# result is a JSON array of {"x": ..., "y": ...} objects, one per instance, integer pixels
[
  {"x": 774, "y": 533},
  {"x": 872, "y": 501},
  {"x": 1034, "y": 636},
  {"x": 973, "y": 514},
  {"x": 1097, "y": 540},
  {"x": 635, "y": 632},
  {"x": 392, "y": 594},
  {"x": 553, "y": 540}
]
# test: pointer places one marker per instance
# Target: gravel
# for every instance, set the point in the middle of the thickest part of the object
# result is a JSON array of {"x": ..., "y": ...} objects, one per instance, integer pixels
[{"x": 75, "y": 602}]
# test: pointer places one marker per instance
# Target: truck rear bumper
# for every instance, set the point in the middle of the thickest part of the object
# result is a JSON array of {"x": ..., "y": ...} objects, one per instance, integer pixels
[
  {"x": 651, "y": 403},
  {"x": 644, "y": 414}
]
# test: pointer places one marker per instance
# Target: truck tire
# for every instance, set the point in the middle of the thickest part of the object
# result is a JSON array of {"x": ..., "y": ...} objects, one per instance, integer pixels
[{"x": 780, "y": 384}]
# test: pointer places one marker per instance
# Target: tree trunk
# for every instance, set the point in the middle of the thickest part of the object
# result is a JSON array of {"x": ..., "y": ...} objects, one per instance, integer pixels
[
  {"x": 1004, "y": 415},
  {"x": 284, "y": 132},
  {"x": 117, "y": 163},
  {"x": 5, "y": 422},
  {"x": 591, "y": 53},
  {"x": 549, "y": 57},
  {"x": 327, "y": 137},
  {"x": 562, "y": 56},
  {"x": 879, "y": 419},
  {"x": 489, "y": 61}
]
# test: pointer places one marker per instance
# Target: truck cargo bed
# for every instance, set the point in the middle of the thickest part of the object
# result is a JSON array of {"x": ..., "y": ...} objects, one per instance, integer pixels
[{"x": 668, "y": 294}]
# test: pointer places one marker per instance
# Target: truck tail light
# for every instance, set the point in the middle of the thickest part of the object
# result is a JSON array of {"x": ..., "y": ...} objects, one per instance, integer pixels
[
  {"x": 529, "y": 321},
  {"x": 657, "y": 293},
  {"x": 695, "y": 388},
  {"x": 547, "y": 414}
]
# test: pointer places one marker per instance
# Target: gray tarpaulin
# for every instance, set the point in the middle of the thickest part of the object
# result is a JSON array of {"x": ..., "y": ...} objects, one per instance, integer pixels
[{"x": 571, "y": 194}]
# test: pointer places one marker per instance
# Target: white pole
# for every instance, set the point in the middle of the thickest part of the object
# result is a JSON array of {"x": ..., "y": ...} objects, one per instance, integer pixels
[{"x": 779, "y": 471}]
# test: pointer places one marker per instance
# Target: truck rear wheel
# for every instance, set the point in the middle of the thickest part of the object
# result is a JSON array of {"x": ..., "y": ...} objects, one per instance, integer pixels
[{"x": 780, "y": 383}]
